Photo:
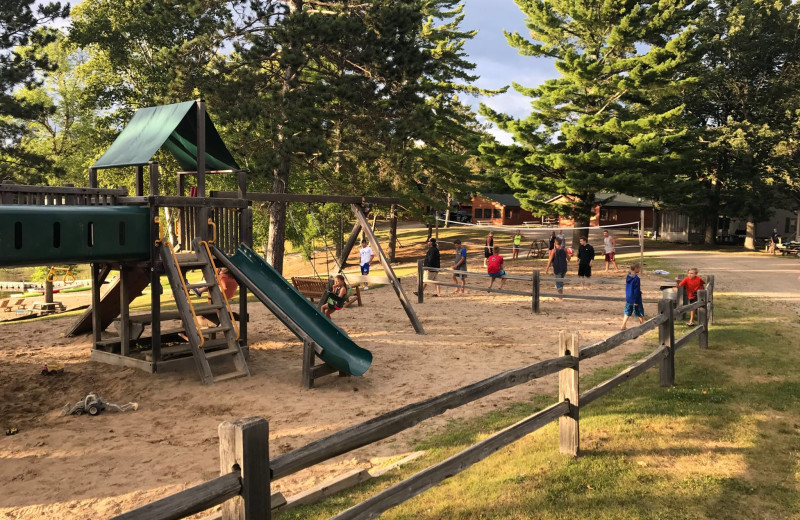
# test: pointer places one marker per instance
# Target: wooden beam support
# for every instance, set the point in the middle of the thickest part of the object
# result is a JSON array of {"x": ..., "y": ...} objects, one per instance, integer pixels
[
  {"x": 348, "y": 246},
  {"x": 702, "y": 317},
  {"x": 420, "y": 280},
  {"x": 361, "y": 216},
  {"x": 569, "y": 391},
  {"x": 310, "y": 199},
  {"x": 666, "y": 337},
  {"x": 244, "y": 447},
  {"x": 536, "y": 291},
  {"x": 124, "y": 313}
]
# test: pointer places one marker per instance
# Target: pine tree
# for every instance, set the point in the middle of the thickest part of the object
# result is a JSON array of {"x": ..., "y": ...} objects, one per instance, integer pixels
[
  {"x": 596, "y": 127},
  {"x": 22, "y": 25}
]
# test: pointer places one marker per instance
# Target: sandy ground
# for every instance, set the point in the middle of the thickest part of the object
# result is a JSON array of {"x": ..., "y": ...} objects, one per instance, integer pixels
[{"x": 94, "y": 467}]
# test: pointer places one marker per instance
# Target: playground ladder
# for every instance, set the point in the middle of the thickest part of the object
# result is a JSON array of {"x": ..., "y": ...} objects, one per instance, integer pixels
[{"x": 202, "y": 338}]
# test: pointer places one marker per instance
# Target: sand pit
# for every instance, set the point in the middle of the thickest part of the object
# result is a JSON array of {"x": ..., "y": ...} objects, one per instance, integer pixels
[{"x": 94, "y": 467}]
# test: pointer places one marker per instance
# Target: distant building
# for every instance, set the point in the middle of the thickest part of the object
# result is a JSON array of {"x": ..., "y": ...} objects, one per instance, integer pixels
[
  {"x": 500, "y": 209},
  {"x": 611, "y": 208}
]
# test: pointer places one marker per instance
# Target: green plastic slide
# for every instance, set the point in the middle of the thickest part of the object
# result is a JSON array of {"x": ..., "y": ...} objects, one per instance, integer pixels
[{"x": 295, "y": 311}]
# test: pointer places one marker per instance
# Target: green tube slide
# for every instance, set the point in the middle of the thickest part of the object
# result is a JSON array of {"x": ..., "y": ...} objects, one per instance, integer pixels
[{"x": 295, "y": 311}]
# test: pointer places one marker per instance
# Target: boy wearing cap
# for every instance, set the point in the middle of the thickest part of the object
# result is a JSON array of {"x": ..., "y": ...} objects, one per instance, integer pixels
[{"x": 366, "y": 255}]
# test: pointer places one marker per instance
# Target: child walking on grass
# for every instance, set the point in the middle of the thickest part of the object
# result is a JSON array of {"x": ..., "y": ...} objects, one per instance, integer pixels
[
  {"x": 633, "y": 296},
  {"x": 693, "y": 283}
]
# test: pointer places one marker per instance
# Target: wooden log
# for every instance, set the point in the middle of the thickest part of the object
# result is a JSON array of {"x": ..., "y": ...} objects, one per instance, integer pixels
[
  {"x": 420, "y": 283},
  {"x": 361, "y": 216},
  {"x": 568, "y": 390},
  {"x": 348, "y": 246},
  {"x": 244, "y": 446},
  {"x": 97, "y": 325},
  {"x": 621, "y": 337},
  {"x": 110, "y": 358},
  {"x": 683, "y": 309},
  {"x": 629, "y": 373},
  {"x": 393, "y": 233},
  {"x": 537, "y": 284},
  {"x": 666, "y": 336},
  {"x": 413, "y": 486},
  {"x": 702, "y": 318},
  {"x": 401, "y": 419},
  {"x": 124, "y": 313},
  {"x": 682, "y": 342},
  {"x": 308, "y": 363},
  {"x": 189, "y": 501}
]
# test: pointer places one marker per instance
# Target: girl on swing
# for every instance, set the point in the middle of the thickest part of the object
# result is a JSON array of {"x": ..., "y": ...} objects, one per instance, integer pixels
[{"x": 338, "y": 296}]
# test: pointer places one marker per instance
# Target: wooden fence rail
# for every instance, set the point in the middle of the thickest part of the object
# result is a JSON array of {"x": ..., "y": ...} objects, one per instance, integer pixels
[{"x": 246, "y": 469}]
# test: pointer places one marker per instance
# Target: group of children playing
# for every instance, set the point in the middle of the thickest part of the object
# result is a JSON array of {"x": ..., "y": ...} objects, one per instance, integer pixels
[{"x": 633, "y": 293}]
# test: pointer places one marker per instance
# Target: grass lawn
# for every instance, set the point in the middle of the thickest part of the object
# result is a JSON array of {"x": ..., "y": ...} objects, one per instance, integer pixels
[{"x": 723, "y": 443}]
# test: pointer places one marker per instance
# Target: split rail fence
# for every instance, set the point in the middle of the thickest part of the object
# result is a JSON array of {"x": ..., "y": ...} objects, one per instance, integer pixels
[
  {"x": 536, "y": 280},
  {"x": 246, "y": 470}
]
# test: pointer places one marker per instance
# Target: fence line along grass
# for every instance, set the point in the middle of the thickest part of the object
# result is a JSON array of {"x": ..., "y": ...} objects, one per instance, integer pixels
[{"x": 724, "y": 443}]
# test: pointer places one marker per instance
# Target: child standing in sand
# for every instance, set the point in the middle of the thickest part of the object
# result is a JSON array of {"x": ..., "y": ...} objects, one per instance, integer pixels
[
  {"x": 633, "y": 296},
  {"x": 693, "y": 283}
]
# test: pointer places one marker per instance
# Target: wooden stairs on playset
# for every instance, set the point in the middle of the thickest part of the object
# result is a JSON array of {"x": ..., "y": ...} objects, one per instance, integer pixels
[{"x": 210, "y": 328}]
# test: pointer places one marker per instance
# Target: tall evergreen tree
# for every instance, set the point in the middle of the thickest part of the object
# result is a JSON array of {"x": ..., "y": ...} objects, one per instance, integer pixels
[
  {"x": 595, "y": 128},
  {"x": 744, "y": 110},
  {"x": 21, "y": 24}
]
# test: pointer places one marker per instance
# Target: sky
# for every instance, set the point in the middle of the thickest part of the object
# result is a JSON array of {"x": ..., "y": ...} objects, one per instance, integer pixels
[{"x": 497, "y": 63}]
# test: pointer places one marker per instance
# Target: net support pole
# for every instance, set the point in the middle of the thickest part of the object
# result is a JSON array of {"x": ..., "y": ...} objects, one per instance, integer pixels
[{"x": 641, "y": 238}]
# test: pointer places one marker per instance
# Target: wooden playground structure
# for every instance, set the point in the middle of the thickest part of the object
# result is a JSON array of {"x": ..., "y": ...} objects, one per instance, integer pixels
[{"x": 126, "y": 234}]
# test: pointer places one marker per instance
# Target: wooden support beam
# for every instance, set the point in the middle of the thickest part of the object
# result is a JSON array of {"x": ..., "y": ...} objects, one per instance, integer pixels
[
  {"x": 348, "y": 246},
  {"x": 666, "y": 337},
  {"x": 310, "y": 199},
  {"x": 619, "y": 338},
  {"x": 702, "y": 317},
  {"x": 139, "y": 181},
  {"x": 97, "y": 324},
  {"x": 244, "y": 447},
  {"x": 124, "y": 313},
  {"x": 537, "y": 284},
  {"x": 420, "y": 282},
  {"x": 569, "y": 391},
  {"x": 387, "y": 267}
]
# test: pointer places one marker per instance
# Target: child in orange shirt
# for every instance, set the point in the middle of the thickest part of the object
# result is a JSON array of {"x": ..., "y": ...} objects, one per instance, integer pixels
[{"x": 693, "y": 283}]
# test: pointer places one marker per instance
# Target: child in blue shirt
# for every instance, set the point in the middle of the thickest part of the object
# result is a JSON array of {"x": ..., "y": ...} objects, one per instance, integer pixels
[{"x": 633, "y": 296}]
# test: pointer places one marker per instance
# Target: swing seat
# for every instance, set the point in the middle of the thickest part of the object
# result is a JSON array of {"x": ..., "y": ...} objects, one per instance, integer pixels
[{"x": 314, "y": 288}]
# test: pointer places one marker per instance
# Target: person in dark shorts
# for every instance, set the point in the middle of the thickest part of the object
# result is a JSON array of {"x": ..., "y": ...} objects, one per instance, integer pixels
[
  {"x": 585, "y": 261},
  {"x": 460, "y": 265},
  {"x": 552, "y": 241},
  {"x": 488, "y": 248},
  {"x": 559, "y": 258},
  {"x": 494, "y": 266},
  {"x": 633, "y": 296}
]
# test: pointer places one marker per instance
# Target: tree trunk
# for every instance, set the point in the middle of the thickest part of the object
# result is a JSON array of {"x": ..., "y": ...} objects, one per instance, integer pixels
[
  {"x": 393, "y": 234},
  {"x": 711, "y": 231},
  {"x": 750, "y": 234},
  {"x": 430, "y": 231},
  {"x": 578, "y": 233},
  {"x": 447, "y": 212}
]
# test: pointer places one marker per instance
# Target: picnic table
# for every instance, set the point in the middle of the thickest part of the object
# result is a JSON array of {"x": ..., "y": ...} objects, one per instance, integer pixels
[{"x": 44, "y": 308}]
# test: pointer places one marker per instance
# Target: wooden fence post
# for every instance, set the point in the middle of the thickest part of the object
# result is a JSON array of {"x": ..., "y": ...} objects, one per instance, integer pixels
[
  {"x": 535, "y": 291},
  {"x": 666, "y": 336},
  {"x": 710, "y": 305},
  {"x": 244, "y": 447},
  {"x": 702, "y": 317},
  {"x": 420, "y": 284},
  {"x": 683, "y": 299},
  {"x": 569, "y": 390}
]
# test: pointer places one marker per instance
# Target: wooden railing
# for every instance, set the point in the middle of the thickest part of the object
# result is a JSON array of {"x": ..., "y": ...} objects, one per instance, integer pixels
[
  {"x": 58, "y": 195},
  {"x": 247, "y": 471}
]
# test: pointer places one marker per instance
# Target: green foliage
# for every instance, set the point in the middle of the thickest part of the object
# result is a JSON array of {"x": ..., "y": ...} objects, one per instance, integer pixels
[
  {"x": 596, "y": 127},
  {"x": 20, "y": 25}
]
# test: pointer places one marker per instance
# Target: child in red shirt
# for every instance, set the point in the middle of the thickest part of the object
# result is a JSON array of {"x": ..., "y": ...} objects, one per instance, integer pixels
[
  {"x": 494, "y": 266},
  {"x": 693, "y": 283}
]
